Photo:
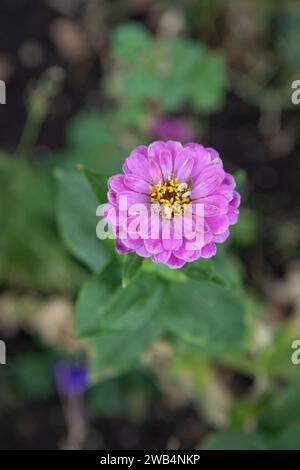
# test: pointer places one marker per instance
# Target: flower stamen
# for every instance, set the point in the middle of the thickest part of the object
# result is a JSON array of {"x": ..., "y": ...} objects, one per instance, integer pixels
[{"x": 170, "y": 198}]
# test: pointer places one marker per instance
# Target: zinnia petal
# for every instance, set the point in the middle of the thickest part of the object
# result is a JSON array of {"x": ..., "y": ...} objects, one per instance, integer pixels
[
  {"x": 175, "y": 263},
  {"x": 137, "y": 164},
  {"x": 208, "y": 251},
  {"x": 166, "y": 164},
  {"x": 136, "y": 184},
  {"x": 207, "y": 182}
]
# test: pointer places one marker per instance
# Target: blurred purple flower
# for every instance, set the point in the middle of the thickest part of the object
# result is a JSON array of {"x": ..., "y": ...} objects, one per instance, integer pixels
[
  {"x": 173, "y": 129},
  {"x": 71, "y": 379}
]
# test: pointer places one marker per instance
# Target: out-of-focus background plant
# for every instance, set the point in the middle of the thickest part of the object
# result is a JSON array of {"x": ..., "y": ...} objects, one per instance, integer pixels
[{"x": 99, "y": 356}]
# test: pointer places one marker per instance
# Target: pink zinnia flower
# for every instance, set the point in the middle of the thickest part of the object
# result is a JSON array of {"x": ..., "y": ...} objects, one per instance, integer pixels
[{"x": 175, "y": 186}]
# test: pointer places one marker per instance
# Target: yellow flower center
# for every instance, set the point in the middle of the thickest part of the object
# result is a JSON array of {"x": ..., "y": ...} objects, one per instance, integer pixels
[{"x": 170, "y": 198}]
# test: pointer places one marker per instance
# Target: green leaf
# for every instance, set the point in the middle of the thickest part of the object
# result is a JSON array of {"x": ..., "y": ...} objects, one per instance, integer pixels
[
  {"x": 208, "y": 86},
  {"x": 132, "y": 115},
  {"x": 37, "y": 365},
  {"x": 104, "y": 306},
  {"x": 112, "y": 354},
  {"x": 93, "y": 141},
  {"x": 228, "y": 269},
  {"x": 204, "y": 314},
  {"x": 247, "y": 231},
  {"x": 235, "y": 440},
  {"x": 97, "y": 181},
  {"x": 288, "y": 439},
  {"x": 131, "y": 265},
  {"x": 29, "y": 240},
  {"x": 203, "y": 270},
  {"x": 130, "y": 40},
  {"x": 283, "y": 411},
  {"x": 88, "y": 130},
  {"x": 76, "y": 214},
  {"x": 288, "y": 37},
  {"x": 146, "y": 71},
  {"x": 164, "y": 272},
  {"x": 106, "y": 398},
  {"x": 275, "y": 358},
  {"x": 241, "y": 180}
]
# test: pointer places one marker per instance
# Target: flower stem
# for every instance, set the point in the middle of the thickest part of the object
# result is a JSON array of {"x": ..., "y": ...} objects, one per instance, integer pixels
[{"x": 39, "y": 102}]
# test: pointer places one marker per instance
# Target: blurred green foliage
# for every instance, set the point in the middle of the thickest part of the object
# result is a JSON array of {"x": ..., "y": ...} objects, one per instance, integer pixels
[
  {"x": 32, "y": 256},
  {"x": 278, "y": 424},
  {"x": 162, "y": 74}
]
